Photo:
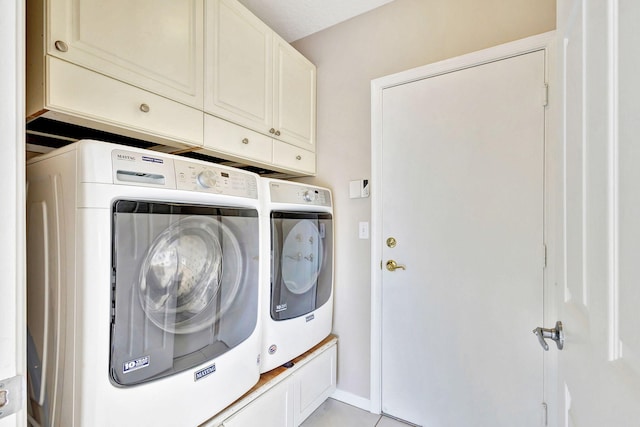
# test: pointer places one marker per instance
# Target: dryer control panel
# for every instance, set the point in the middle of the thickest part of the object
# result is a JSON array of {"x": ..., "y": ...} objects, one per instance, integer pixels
[
  {"x": 282, "y": 192},
  {"x": 212, "y": 179}
]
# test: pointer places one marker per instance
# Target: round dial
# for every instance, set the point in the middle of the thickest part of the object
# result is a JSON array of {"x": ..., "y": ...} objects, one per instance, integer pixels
[
  {"x": 207, "y": 178},
  {"x": 309, "y": 196}
]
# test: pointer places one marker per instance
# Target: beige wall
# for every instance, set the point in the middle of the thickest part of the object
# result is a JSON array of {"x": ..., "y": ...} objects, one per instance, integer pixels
[{"x": 395, "y": 37}]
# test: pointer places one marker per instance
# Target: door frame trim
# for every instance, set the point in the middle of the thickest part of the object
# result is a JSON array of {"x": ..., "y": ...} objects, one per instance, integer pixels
[
  {"x": 544, "y": 42},
  {"x": 12, "y": 172}
]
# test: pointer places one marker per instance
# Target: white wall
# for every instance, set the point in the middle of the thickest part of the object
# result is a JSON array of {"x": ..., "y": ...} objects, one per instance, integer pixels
[
  {"x": 395, "y": 37},
  {"x": 12, "y": 288}
]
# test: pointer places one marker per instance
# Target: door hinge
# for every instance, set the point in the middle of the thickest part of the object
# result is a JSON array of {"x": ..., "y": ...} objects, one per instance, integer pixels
[
  {"x": 545, "y": 95},
  {"x": 12, "y": 395},
  {"x": 544, "y": 256},
  {"x": 545, "y": 415}
]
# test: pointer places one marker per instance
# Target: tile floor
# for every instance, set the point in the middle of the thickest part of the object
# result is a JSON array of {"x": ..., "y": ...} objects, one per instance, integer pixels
[{"x": 333, "y": 413}]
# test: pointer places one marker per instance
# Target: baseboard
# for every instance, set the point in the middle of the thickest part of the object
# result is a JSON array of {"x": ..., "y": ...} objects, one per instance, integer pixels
[{"x": 351, "y": 399}]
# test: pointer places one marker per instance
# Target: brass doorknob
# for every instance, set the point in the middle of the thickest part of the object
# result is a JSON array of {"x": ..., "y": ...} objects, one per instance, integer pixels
[{"x": 393, "y": 266}]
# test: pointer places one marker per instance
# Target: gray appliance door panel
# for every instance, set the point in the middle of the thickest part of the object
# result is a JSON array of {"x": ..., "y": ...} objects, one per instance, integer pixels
[{"x": 178, "y": 272}]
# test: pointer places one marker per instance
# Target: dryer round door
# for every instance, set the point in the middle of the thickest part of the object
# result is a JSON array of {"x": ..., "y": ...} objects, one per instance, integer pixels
[
  {"x": 180, "y": 276},
  {"x": 302, "y": 253},
  {"x": 301, "y": 264}
]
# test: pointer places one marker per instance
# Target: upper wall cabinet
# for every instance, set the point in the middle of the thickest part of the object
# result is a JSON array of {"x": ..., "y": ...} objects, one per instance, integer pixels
[
  {"x": 239, "y": 70},
  {"x": 153, "y": 45},
  {"x": 294, "y": 96},
  {"x": 256, "y": 79},
  {"x": 202, "y": 75}
]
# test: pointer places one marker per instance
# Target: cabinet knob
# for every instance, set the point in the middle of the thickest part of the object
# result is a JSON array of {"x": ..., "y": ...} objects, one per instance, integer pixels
[
  {"x": 298, "y": 157},
  {"x": 272, "y": 130},
  {"x": 61, "y": 46},
  {"x": 144, "y": 108},
  {"x": 277, "y": 133},
  {"x": 245, "y": 141}
]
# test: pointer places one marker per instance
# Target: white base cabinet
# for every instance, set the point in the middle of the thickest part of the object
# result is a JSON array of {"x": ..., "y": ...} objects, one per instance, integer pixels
[
  {"x": 287, "y": 398},
  {"x": 314, "y": 384},
  {"x": 272, "y": 409}
]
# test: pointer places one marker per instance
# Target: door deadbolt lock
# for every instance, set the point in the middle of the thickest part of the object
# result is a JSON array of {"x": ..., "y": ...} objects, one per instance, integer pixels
[
  {"x": 391, "y": 242},
  {"x": 556, "y": 334}
]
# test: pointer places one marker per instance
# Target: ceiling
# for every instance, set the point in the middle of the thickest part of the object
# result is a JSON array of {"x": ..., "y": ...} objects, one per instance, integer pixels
[{"x": 295, "y": 19}]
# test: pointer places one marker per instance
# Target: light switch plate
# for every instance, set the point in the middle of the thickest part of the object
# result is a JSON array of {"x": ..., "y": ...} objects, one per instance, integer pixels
[{"x": 363, "y": 230}]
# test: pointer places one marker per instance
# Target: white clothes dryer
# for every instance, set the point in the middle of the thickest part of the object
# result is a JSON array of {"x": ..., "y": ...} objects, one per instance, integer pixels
[
  {"x": 297, "y": 308},
  {"x": 143, "y": 287}
]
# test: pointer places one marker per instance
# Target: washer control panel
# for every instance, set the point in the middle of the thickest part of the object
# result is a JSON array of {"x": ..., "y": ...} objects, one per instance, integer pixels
[
  {"x": 151, "y": 169},
  {"x": 212, "y": 179},
  {"x": 284, "y": 192}
]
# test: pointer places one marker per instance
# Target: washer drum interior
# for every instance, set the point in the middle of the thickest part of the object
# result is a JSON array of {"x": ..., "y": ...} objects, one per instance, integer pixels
[{"x": 180, "y": 277}]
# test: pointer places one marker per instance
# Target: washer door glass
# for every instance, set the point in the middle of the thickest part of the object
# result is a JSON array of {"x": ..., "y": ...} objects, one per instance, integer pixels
[
  {"x": 181, "y": 275},
  {"x": 184, "y": 286},
  {"x": 302, "y": 262}
]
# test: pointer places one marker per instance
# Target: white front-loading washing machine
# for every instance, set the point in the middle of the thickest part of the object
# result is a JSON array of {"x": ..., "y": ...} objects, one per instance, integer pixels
[
  {"x": 144, "y": 279},
  {"x": 297, "y": 308}
]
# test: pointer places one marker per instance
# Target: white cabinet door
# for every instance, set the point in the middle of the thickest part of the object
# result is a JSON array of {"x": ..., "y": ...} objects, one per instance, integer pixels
[
  {"x": 225, "y": 137},
  {"x": 292, "y": 158},
  {"x": 111, "y": 105},
  {"x": 314, "y": 383},
  {"x": 256, "y": 79},
  {"x": 294, "y": 96},
  {"x": 599, "y": 368},
  {"x": 238, "y": 59},
  {"x": 157, "y": 46},
  {"x": 272, "y": 409}
]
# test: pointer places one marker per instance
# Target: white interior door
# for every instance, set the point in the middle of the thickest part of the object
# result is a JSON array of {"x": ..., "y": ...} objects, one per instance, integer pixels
[
  {"x": 599, "y": 369},
  {"x": 462, "y": 194}
]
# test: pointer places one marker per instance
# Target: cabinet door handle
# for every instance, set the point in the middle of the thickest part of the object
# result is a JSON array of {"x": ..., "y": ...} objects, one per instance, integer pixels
[
  {"x": 298, "y": 157},
  {"x": 245, "y": 141},
  {"x": 61, "y": 46},
  {"x": 277, "y": 133},
  {"x": 145, "y": 108},
  {"x": 272, "y": 130}
]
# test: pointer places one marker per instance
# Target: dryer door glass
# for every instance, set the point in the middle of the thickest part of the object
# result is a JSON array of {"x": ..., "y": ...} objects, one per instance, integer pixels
[
  {"x": 302, "y": 262},
  {"x": 184, "y": 286}
]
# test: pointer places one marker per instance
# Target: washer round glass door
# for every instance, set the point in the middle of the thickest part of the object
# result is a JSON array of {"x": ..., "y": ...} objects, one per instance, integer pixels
[
  {"x": 184, "y": 286},
  {"x": 180, "y": 277}
]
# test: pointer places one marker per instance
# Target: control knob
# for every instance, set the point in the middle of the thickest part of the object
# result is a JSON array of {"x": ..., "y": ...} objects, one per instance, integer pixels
[
  {"x": 207, "y": 178},
  {"x": 308, "y": 196}
]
